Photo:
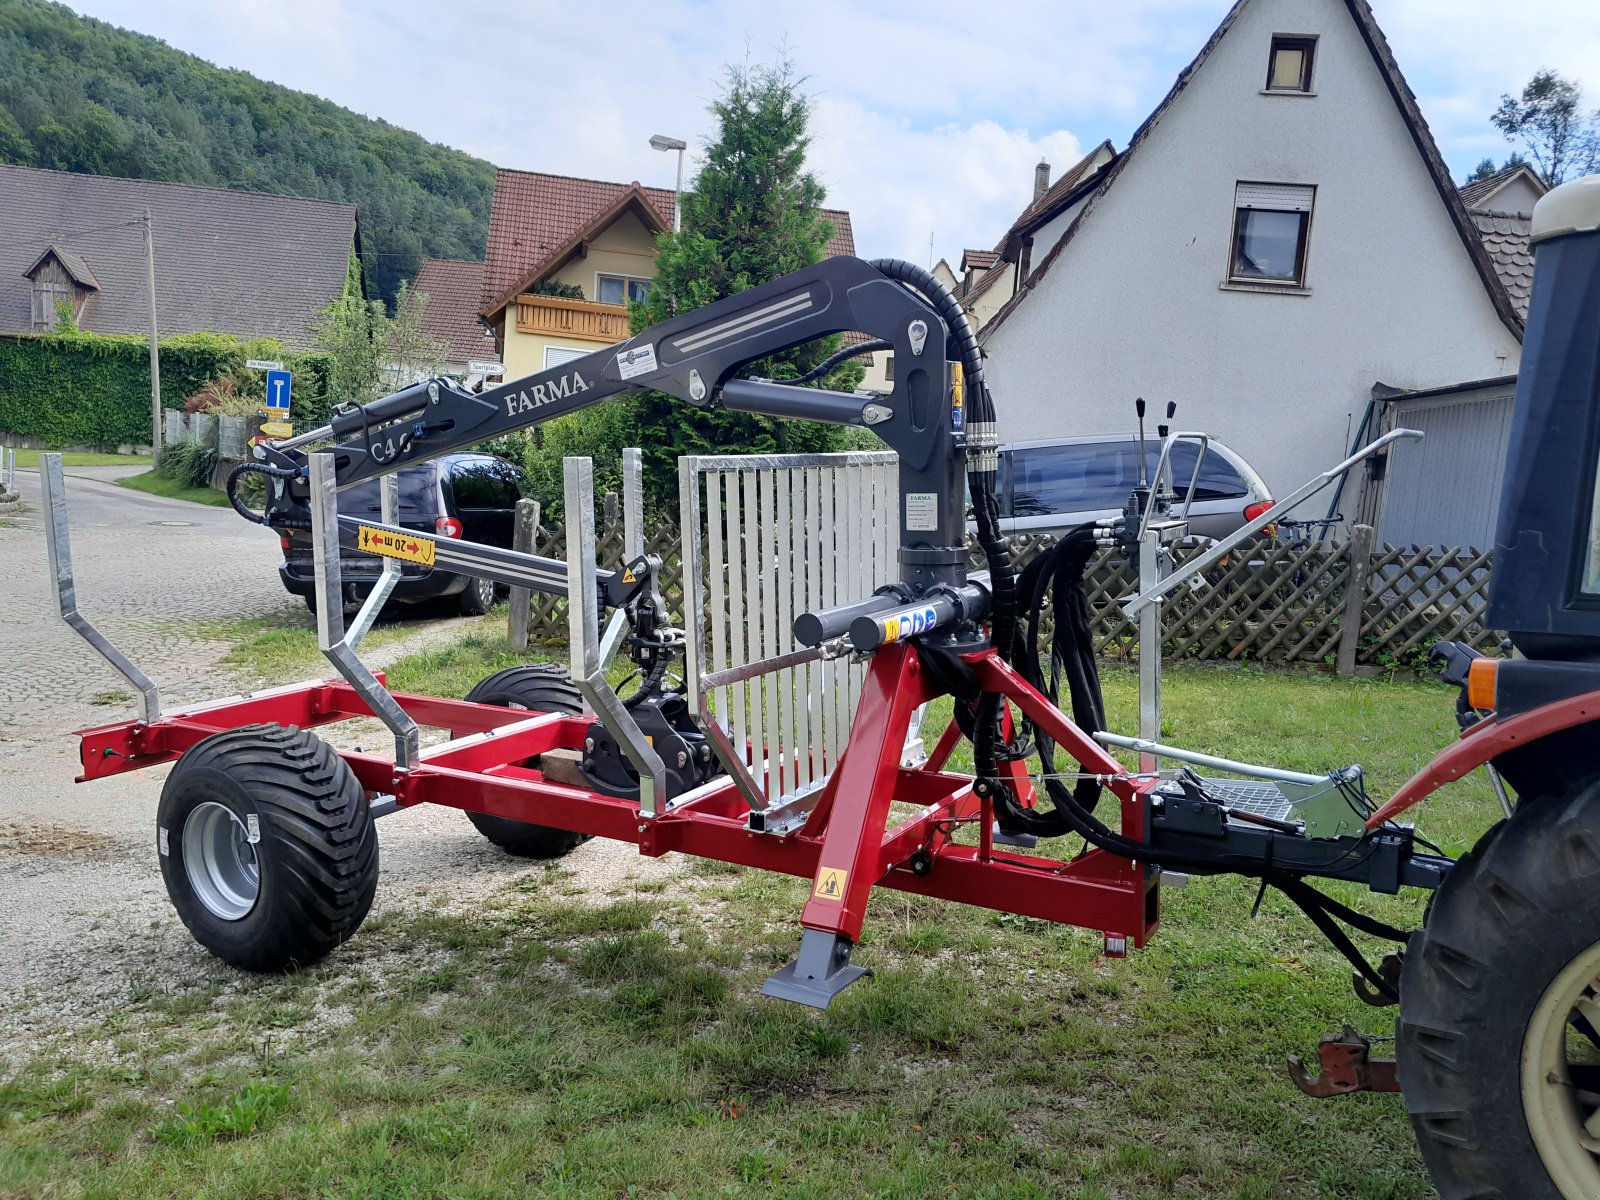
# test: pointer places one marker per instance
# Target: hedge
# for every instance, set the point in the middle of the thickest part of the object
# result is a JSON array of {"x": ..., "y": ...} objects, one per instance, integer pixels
[{"x": 89, "y": 389}]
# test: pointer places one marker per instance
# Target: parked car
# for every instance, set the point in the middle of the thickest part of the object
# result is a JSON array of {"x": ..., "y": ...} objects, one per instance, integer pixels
[
  {"x": 1051, "y": 486},
  {"x": 469, "y": 496}
]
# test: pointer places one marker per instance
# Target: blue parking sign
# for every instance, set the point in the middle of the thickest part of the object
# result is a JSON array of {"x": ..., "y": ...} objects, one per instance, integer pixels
[{"x": 278, "y": 393}]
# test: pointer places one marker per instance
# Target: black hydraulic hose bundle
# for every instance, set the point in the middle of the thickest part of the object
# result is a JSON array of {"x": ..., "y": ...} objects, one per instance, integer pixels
[
  {"x": 983, "y": 461},
  {"x": 236, "y": 476}
]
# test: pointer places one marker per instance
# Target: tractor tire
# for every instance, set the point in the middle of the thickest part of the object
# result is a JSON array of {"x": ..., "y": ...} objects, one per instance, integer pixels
[
  {"x": 540, "y": 688},
  {"x": 476, "y": 598},
  {"x": 267, "y": 847},
  {"x": 1495, "y": 1049}
]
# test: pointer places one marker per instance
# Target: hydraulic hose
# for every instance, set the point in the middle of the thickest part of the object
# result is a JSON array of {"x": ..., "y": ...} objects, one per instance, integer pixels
[
  {"x": 248, "y": 513},
  {"x": 824, "y": 368}
]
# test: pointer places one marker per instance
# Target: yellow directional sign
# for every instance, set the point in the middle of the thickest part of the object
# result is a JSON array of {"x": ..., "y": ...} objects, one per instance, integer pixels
[
  {"x": 410, "y": 547},
  {"x": 276, "y": 429}
]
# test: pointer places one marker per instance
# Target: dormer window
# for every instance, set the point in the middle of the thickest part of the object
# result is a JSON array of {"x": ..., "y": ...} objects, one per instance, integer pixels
[
  {"x": 61, "y": 280},
  {"x": 1290, "y": 67}
]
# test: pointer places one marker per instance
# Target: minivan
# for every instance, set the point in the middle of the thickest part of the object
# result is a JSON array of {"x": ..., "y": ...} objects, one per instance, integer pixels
[
  {"x": 468, "y": 496},
  {"x": 1051, "y": 486}
]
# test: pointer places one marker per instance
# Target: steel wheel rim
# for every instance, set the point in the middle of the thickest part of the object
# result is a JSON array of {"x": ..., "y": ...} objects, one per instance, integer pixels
[
  {"x": 1563, "y": 1122},
  {"x": 220, "y": 861}
]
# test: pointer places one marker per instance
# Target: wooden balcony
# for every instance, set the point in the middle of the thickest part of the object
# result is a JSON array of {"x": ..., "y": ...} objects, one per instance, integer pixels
[{"x": 551, "y": 316}]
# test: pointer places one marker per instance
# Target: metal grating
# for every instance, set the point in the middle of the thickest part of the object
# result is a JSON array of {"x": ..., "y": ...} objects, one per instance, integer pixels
[{"x": 768, "y": 538}]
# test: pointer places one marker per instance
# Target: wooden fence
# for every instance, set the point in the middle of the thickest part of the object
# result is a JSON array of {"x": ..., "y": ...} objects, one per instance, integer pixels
[{"x": 1280, "y": 602}]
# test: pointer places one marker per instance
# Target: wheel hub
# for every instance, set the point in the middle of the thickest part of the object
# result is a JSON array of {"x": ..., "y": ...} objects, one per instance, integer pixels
[
  {"x": 221, "y": 861},
  {"x": 1561, "y": 1077}
]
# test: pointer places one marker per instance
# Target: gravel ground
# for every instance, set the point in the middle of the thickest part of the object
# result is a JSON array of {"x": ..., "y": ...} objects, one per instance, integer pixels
[{"x": 87, "y": 922}]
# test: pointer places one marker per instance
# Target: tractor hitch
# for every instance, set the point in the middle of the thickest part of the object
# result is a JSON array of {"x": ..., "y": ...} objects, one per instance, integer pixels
[{"x": 1347, "y": 1066}]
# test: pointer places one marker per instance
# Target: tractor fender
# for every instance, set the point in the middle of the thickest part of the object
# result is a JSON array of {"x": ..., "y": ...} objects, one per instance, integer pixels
[{"x": 1485, "y": 741}]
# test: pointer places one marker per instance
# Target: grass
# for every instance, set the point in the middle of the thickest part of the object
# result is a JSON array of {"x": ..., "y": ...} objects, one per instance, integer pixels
[
  {"x": 552, "y": 1043},
  {"x": 30, "y": 459},
  {"x": 153, "y": 484}
]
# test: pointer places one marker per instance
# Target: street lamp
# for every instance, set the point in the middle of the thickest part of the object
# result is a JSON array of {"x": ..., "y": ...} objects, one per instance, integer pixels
[{"x": 661, "y": 142}]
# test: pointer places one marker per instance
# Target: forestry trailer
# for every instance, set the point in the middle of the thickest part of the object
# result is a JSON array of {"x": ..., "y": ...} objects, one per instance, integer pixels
[{"x": 266, "y": 837}]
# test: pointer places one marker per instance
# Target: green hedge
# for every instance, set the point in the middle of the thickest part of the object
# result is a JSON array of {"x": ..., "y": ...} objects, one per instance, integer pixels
[{"x": 88, "y": 389}]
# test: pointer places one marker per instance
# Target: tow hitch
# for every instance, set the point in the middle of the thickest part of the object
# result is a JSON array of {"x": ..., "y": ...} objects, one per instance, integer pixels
[{"x": 1347, "y": 1066}]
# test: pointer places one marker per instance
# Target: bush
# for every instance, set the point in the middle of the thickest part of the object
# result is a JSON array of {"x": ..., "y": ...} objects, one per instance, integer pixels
[{"x": 189, "y": 464}]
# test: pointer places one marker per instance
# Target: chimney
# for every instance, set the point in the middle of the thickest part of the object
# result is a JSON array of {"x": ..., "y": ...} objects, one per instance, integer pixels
[{"x": 1041, "y": 180}]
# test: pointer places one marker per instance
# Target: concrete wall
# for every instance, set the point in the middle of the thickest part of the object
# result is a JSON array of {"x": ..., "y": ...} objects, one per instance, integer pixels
[{"x": 1136, "y": 304}]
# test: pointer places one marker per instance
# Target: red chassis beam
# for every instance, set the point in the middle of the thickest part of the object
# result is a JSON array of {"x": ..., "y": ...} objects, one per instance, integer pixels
[{"x": 847, "y": 846}]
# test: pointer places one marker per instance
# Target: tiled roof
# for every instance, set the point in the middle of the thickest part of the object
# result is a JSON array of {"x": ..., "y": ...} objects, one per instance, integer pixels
[
  {"x": 227, "y": 261},
  {"x": 1475, "y": 195},
  {"x": 1411, "y": 114},
  {"x": 980, "y": 260},
  {"x": 454, "y": 290},
  {"x": 1505, "y": 237},
  {"x": 1047, "y": 205},
  {"x": 533, "y": 215},
  {"x": 72, "y": 263}
]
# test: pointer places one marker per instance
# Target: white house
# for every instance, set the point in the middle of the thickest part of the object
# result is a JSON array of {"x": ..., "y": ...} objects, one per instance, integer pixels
[{"x": 1280, "y": 235}]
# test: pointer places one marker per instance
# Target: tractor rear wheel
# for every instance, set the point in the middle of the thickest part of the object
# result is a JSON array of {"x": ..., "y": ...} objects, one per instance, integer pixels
[
  {"x": 1498, "y": 1004},
  {"x": 267, "y": 847},
  {"x": 540, "y": 688}
]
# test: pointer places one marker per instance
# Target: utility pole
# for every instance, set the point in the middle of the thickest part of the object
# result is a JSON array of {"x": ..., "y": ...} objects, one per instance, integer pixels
[{"x": 155, "y": 352}]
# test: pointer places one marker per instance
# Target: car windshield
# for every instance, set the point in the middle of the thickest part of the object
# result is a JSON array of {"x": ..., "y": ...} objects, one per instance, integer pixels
[
  {"x": 419, "y": 493},
  {"x": 1089, "y": 476}
]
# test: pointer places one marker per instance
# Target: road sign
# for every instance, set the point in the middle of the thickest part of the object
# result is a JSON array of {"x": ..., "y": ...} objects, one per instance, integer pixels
[
  {"x": 409, "y": 547},
  {"x": 278, "y": 394},
  {"x": 485, "y": 367},
  {"x": 276, "y": 429},
  {"x": 264, "y": 364}
]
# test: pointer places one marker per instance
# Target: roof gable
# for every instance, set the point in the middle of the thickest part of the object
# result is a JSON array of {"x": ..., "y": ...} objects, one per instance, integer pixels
[
  {"x": 227, "y": 261},
  {"x": 1482, "y": 193},
  {"x": 535, "y": 216},
  {"x": 71, "y": 263},
  {"x": 1410, "y": 114}
]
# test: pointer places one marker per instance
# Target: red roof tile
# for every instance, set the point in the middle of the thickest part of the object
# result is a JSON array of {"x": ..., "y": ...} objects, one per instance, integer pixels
[
  {"x": 533, "y": 215},
  {"x": 454, "y": 290}
]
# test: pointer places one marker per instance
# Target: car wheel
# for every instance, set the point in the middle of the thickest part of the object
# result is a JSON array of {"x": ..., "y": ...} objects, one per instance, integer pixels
[{"x": 476, "y": 598}]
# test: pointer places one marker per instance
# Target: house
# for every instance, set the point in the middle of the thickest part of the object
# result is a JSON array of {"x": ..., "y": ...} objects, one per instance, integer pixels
[
  {"x": 1280, "y": 235},
  {"x": 244, "y": 263},
  {"x": 565, "y": 256},
  {"x": 1516, "y": 189},
  {"x": 455, "y": 291}
]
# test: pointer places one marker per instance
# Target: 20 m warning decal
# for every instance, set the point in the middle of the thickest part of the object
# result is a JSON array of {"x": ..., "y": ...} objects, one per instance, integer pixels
[{"x": 407, "y": 546}]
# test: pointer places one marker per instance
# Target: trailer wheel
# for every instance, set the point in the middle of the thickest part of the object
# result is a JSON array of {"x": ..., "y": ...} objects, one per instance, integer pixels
[
  {"x": 267, "y": 848},
  {"x": 1499, "y": 1001},
  {"x": 540, "y": 688}
]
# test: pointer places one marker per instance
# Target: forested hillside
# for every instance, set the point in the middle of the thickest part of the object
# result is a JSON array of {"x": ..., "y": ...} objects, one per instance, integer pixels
[{"x": 77, "y": 94}]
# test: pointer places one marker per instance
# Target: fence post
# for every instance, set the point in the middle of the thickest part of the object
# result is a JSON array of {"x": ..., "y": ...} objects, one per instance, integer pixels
[
  {"x": 1360, "y": 549},
  {"x": 522, "y": 534}
]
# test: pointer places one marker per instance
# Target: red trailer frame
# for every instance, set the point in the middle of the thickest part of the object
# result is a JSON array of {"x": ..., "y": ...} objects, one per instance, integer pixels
[{"x": 846, "y": 846}]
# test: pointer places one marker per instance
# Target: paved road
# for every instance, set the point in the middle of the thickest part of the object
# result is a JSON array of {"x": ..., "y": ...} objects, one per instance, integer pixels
[{"x": 152, "y": 574}]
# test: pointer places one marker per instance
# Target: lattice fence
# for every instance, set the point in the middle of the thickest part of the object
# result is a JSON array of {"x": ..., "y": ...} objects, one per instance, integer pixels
[{"x": 1280, "y": 602}]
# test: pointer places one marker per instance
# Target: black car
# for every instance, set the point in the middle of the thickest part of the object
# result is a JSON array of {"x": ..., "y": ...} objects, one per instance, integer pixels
[{"x": 468, "y": 496}]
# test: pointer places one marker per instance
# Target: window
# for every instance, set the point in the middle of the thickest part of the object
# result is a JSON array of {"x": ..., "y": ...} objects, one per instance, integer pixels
[
  {"x": 888, "y": 366},
  {"x": 1290, "y": 66},
  {"x": 1047, "y": 480},
  {"x": 483, "y": 483},
  {"x": 1270, "y": 224},
  {"x": 419, "y": 493},
  {"x": 554, "y": 356},
  {"x": 1218, "y": 478},
  {"x": 617, "y": 289}
]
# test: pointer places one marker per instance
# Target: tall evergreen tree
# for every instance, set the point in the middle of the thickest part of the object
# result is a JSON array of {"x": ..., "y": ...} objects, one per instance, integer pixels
[{"x": 753, "y": 214}]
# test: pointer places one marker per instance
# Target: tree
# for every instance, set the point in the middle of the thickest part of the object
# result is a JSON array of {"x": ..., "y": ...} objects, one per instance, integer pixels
[
  {"x": 1548, "y": 120},
  {"x": 351, "y": 334},
  {"x": 753, "y": 214},
  {"x": 1487, "y": 170}
]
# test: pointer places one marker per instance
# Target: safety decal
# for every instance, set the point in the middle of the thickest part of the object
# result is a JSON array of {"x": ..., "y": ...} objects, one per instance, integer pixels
[
  {"x": 407, "y": 546},
  {"x": 830, "y": 884},
  {"x": 252, "y": 828},
  {"x": 161, "y": 839},
  {"x": 629, "y": 577},
  {"x": 639, "y": 360},
  {"x": 897, "y": 629}
]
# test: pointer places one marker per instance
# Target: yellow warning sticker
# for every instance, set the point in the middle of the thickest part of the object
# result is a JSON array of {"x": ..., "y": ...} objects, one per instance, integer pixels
[
  {"x": 629, "y": 577},
  {"x": 407, "y": 546},
  {"x": 830, "y": 884}
]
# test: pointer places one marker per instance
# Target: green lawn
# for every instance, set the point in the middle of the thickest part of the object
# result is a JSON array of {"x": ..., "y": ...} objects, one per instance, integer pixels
[
  {"x": 558, "y": 1043},
  {"x": 30, "y": 458},
  {"x": 159, "y": 485}
]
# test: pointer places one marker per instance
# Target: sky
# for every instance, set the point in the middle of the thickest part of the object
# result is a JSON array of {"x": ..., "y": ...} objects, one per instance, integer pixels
[{"x": 928, "y": 117}]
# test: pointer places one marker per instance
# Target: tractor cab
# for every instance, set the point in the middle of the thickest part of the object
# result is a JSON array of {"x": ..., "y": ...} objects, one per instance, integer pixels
[{"x": 1545, "y": 591}]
